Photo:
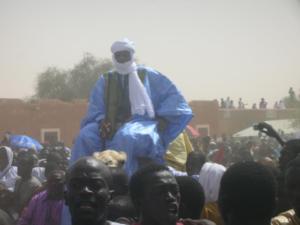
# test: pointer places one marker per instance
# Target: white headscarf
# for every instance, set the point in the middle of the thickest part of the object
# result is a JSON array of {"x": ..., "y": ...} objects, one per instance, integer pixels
[
  {"x": 10, "y": 156},
  {"x": 9, "y": 175},
  {"x": 210, "y": 178},
  {"x": 139, "y": 99}
]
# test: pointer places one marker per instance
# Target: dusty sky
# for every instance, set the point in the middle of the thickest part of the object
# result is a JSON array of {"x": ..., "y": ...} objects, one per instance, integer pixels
[{"x": 209, "y": 48}]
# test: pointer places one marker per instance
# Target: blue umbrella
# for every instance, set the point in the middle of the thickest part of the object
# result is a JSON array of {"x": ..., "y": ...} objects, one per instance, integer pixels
[{"x": 24, "y": 141}]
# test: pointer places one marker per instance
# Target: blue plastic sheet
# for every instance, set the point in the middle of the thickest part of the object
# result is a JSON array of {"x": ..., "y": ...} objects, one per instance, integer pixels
[{"x": 24, "y": 141}]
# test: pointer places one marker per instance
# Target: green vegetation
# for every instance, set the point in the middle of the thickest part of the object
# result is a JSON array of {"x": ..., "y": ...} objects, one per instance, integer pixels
[{"x": 75, "y": 83}]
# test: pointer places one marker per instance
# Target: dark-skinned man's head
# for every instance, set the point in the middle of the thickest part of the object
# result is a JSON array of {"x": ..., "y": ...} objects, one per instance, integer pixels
[
  {"x": 289, "y": 152},
  {"x": 55, "y": 184},
  {"x": 88, "y": 191},
  {"x": 292, "y": 184},
  {"x": 192, "y": 197},
  {"x": 155, "y": 194},
  {"x": 194, "y": 163},
  {"x": 25, "y": 163},
  {"x": 247, "y": 194}
]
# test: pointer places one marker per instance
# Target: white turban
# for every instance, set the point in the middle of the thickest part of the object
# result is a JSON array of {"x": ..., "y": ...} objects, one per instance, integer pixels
[
  {"x": 123, "y": 45},
  {"x": 140, "y": 101}
]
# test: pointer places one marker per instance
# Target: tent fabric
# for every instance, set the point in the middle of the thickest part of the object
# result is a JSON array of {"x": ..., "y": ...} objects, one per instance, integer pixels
[{"x": 279, "y": 125}]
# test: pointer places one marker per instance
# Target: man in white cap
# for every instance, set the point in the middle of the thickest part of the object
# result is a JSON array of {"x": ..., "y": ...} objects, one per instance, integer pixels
[{"x": 133, "y": 109}]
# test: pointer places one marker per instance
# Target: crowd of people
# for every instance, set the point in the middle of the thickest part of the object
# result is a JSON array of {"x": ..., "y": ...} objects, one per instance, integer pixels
[
  {"x": 292, "y": 101},
  {"x": 225, "y": 181},
  {"x": 123, "y": 168},
  {"x": 229, "y": 104}
]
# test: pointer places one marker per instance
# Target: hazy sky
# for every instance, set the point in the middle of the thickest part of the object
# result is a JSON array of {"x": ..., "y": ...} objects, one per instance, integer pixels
[{"x": 208, "y": 48}]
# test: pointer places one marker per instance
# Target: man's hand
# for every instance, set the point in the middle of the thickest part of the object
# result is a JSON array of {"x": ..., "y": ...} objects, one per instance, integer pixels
[
  {"x": 266, "y": 129},
  {"x": 105, "y": 130},
  {"x": 162, "y": 124}
]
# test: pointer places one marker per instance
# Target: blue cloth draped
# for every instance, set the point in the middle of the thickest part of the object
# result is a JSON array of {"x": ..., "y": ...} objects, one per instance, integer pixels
[
  {"x": 24, "y": 141},
  {"x": 140, "y": 136}
]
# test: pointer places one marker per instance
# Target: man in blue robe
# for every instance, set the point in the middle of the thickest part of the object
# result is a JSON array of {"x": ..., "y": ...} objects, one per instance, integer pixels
[{"x": 133, "y": 108}]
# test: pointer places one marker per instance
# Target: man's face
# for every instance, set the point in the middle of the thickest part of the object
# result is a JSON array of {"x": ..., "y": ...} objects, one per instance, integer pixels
[
  {"x": 24, "y": 168},
  {"x": 55, "y": 185},
  {"x": 160, "y": 201},
  {"x": 190, "y": 167},
  {"x": 87, "y": 196},
  {"x": 292, "y": 184},
  {"x": 122, "y": 56}
]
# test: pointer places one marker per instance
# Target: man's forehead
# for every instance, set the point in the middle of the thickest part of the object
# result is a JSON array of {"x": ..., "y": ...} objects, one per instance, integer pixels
[
  {"x": 56, "y": 176},
  {"x": 162, "y": 177},
  {"x": 88, "y": 168},
  {"x": 87, "y": 172}
]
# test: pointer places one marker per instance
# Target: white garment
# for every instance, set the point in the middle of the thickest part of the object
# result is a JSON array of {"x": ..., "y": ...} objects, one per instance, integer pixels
[
  {"x": 210, "y": 177},
  {"x": 10, "y": 178},
  {"x": 176, "y": 173},
  {"x": 39, "y": 173},
  {"x": 123, "y": 45},
  {"x": 140, "y": 101},
  {"x": 9, "y": 175}
]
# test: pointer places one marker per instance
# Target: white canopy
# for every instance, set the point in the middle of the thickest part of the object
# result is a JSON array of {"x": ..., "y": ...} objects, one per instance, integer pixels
[{"x": 278, "y": 125}]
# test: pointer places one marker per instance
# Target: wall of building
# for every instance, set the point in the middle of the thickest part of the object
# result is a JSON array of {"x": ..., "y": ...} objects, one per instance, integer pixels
[
  {"x": 31, "y": 118},
  {"x": 205, "y": 114},
  {"x": 230, "y": 121}
]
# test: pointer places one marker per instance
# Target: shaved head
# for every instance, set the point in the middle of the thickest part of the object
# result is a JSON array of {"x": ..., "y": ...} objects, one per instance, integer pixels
[
  {"x": 88, "y": 191},
  {"x": 89, "y": 164}
]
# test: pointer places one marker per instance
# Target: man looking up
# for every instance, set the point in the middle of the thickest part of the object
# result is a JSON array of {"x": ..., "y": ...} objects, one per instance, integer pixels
[{"x": 155, "y": 194}]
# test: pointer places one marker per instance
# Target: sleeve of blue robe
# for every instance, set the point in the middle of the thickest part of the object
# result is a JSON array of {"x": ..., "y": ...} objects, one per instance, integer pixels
[
  {"x": 168, "y": 104},
  {"x": 96, "y": 108}
]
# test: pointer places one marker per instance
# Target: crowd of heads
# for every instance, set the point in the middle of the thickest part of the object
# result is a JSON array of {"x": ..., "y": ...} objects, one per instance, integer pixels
[
  {"x": 291, "y": 101},
  {"x": 25, "y": 173},
  {"x": 235, "y": 180},
  {"x": 228, "y": 103}
]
